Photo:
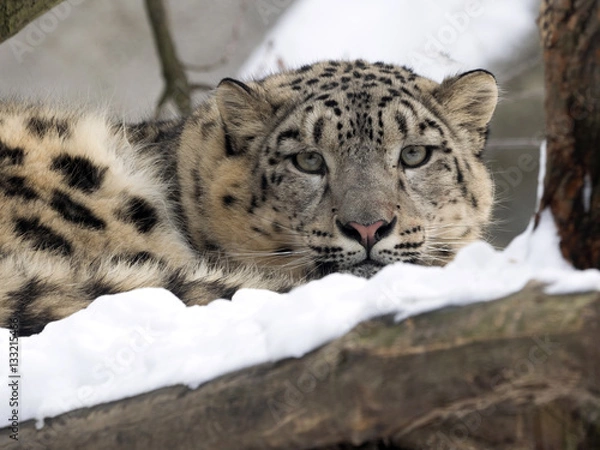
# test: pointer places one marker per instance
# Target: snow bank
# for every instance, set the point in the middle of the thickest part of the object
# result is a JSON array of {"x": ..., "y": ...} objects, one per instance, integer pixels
[{"x": 434, "y": 38}]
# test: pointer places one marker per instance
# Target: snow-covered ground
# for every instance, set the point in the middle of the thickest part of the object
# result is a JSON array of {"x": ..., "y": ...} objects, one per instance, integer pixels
[{"x": 131, "y": 343}]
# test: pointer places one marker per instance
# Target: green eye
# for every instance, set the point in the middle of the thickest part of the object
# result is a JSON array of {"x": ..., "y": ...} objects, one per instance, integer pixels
[
  {"x": 309, "y": 162},
  {"x": 414, "y": 155}
]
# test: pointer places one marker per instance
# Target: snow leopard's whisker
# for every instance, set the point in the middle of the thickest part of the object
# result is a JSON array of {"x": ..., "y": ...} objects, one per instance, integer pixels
[
  {"x": 311, "y": 272},
  {"x": 296, "y": 258},
  {"x": 445, "y": 242},
  {"x": 260, "y": 253},
  {"x": 430, "y": 254},
  {"x": 447, "y": 226},
  {"x": 439, "y": 247},
  {"x": 292, "y": 231},
  {"x": 270, "y": 259},
  {"x": 298, "y": 264}
]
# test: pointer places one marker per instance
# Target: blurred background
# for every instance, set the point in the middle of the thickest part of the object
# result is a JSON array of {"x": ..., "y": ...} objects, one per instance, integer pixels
[{"x": 102, "y": 54}]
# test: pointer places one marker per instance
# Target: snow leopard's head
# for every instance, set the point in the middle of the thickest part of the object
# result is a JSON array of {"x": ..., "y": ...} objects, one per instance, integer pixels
[{"x": 339, "y": 165}]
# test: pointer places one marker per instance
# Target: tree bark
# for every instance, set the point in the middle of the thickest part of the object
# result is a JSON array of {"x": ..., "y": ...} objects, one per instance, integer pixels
[
  {"x": 16, "y": 14},
  {"x": 519, "y": 373},
  {"x": 570, "y": 32}
]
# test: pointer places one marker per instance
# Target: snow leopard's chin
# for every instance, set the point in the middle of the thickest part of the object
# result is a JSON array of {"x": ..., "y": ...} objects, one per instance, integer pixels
[{"x": 365, "y": 269}]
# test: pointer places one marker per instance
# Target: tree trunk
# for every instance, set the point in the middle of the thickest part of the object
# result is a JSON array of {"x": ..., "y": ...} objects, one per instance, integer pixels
[
  {"x": 570, "y": 32},
  {"x": 518, "y": 373},
  {"x": 16, "y": 14}
]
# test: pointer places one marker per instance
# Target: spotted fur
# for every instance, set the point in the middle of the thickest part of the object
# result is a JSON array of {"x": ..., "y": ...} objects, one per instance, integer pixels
[{"x": 269, "y": 183}]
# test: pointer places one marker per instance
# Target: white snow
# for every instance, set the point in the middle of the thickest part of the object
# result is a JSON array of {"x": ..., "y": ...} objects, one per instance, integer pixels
[
  {"x": 541, "y": 175},
  {"x": 434, "y": 38},
  {"x": 587, "y": 192}
]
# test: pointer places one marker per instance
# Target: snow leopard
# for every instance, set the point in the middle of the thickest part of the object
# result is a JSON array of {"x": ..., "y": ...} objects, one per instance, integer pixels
[{"x": 336, "y": 166}]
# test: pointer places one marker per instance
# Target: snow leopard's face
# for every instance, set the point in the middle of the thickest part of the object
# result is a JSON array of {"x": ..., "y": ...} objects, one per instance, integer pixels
[{"x": 341, "y": 165}]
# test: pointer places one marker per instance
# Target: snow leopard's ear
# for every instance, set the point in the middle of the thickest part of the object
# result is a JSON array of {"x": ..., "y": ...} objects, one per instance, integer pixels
[
  {"x": 470, "y": 97},
  {"x": 244, "y": 112}
]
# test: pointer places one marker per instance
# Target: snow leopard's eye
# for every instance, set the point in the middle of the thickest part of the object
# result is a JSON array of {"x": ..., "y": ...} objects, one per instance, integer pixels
[
  {"x": 309, "y": 162},
  {"x": 413, "y": 156}
]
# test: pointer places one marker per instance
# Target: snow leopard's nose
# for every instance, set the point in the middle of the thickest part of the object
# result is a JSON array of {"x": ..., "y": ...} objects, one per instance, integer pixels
[{"x": 367, "y": 235}]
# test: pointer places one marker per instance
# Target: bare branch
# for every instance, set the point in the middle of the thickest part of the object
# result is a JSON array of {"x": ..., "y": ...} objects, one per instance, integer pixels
[{"x": 177, "y": 86}]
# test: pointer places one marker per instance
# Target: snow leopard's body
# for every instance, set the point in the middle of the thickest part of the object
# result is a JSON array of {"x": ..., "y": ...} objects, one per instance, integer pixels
[{"x": 334, "y": 166}]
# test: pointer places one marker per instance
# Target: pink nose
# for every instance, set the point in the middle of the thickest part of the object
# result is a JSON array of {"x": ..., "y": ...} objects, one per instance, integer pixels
[{"x": 368, "y": 233}]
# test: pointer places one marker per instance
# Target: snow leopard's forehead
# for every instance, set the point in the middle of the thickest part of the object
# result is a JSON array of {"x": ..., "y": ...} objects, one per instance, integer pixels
[{"x": 355, "y": 107}]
